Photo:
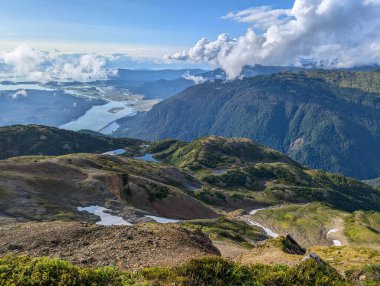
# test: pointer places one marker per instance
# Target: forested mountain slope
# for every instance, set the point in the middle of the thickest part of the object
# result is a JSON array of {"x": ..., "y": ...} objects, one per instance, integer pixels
[{"x": 324, "y": 119}]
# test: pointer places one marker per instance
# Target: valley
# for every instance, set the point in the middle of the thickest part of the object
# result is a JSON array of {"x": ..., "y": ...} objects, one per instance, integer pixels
[
  {"x": 190, "y": 143},
  {"x": 327, "y": 120}
]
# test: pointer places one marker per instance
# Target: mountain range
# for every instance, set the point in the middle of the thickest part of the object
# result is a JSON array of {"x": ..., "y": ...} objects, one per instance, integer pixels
[{"x": 328, "y": 120}]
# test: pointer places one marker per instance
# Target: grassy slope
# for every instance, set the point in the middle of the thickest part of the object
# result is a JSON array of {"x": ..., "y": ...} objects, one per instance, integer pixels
[
  {"x": 21, "y": 140},
  {"x": 229, "y": 229},
  {"x": 374, "y": 183},
  {"x": 254, "y": 173},
  {"x": 310, "y": 223},
  {"x": 48, "y": 188}
]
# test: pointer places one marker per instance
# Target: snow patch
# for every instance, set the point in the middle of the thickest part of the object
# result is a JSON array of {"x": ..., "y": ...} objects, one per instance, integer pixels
[
  {"x": 162, "y": 219},
  {"x": 267, "y": 230},
  {"x": 337, "y": 242},
  {"x": 105, "y": 217}
]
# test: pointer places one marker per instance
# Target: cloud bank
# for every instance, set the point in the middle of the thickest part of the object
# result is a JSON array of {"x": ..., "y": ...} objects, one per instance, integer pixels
[
  {"x": 197, "y": 79},
  {"x": 19, "y": 93},
  {"x": 328, "y": 33},
  {"x": 27, "y": 64}
]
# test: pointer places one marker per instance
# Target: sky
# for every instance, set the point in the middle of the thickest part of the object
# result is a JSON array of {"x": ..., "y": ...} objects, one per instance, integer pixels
[
  {"x": 136, "y": 27},
  {"x": 84, "y": 40}
]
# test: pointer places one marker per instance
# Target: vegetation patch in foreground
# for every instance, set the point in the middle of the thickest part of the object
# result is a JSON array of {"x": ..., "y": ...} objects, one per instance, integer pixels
[{"x": 211, "y": 271}]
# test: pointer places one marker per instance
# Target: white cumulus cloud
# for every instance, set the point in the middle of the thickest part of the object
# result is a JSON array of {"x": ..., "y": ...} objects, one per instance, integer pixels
[
  {"x": 27, "y": 64},
  {"x": 19, "y": 93},
  {"x": 197, "y": 79},
  {"x": 261, "y": 17},
  {"x": 330, "y": 33}
]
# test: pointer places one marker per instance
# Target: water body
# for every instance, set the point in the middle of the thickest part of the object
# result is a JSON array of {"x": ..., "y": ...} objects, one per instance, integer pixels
[
  {"x": 115, "y": 152},
  {"x": 162, "y": 219},
  {"x": 25, "y": 86},
  {"x": 105, "y": 218},
  {"x": 219, "y": 172},
  {"x": 98, "y": 117},
  {"x": 147, "y": 158}
]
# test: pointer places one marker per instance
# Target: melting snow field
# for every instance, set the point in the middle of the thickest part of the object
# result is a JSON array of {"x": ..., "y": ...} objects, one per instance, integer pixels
[
  {"x": 108, "y": 219},
  {"x": 267, "y": 230},
  {"x": 98, "y": 117},
  {"x": 162, "y": 219},
  {"x": 256, "y": 210},
  {"x": 105, "y": 218},
  {"x": 335, "y": 241},
  {"x": 147, "y": 157},
  {"x": 332, "y": 231}
]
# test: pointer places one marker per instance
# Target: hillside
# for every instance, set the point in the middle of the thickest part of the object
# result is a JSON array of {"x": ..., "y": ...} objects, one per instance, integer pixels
[
  {"x": 374, "y": 183},
  {"x": 238, "y": 171},
  {"x": 327, "y": 120},
  {"x": 208, "y": 188},
  {"x": 22, "y": 140},
  {"x": 91, "y": 245},
  {"x": 202, "y": 179}
]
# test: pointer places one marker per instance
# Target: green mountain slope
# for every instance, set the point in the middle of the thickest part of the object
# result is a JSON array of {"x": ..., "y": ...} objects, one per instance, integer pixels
[
  {"x": 192, "y": 180},
  {"x": 21, "y": 140},
  {"x": 325, "y": 120},
  {"x": 374, "y": 183},
  {"x": 211, "y": 185},
  {"x": 237, "y": 171}
]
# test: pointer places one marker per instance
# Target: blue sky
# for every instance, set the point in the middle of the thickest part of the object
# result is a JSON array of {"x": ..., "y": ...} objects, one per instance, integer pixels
[{"x": 145, "y": 27}]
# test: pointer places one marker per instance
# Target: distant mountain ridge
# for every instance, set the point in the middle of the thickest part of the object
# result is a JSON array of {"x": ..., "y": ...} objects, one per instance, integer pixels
[
  {"x": 324, "y": 119},
  {"x": 22, "y": 140}
]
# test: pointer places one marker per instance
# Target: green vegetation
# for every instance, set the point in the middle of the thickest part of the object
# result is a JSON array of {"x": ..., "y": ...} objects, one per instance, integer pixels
[
  {"x": 363, "y": 228},
  {"x": 308, "y": 224},
  {"x": 28, "y": 271},
  {"x": 371, "y": 273},
  {"x": 237, "y": 169},
  {"x": 348, "y": 258},
  {"x": 327, "y": 120},
  {"x": 213, "y": 151},
  {"x": 225, "y": 228},
  {"x": 210, "y": 271},
  {"x": 366, "y": 82},
  {"x": 22, "y": 140},
  {"x": 374, "y": 183}
]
